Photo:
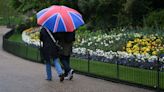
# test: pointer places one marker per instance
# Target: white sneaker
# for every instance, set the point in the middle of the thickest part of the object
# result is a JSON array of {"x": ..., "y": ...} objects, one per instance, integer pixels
[{"x": 70, "y": 75}]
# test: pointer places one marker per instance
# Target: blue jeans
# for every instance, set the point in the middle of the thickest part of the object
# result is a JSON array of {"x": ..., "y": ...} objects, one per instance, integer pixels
[
  {"x": 57, "y": 67},
  {"x": 65, "y": 60}
]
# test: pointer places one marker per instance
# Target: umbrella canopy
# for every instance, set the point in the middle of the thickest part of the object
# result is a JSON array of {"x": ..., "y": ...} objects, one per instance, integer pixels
[{"x": 59, "y": 19}]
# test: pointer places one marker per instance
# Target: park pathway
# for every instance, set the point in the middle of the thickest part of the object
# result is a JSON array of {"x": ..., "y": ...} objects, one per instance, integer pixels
[{"x": 19, "y": 75}]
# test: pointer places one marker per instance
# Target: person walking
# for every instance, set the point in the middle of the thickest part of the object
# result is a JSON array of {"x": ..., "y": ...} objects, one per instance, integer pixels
[
  {"x": 66, "y": 40},
  {"x": 49, "y": 50}
]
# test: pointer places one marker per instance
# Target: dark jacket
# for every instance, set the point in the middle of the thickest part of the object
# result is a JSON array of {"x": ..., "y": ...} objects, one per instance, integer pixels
[
  {"x": 49, "y": 49},
  {"x": 65, "y": 40}
]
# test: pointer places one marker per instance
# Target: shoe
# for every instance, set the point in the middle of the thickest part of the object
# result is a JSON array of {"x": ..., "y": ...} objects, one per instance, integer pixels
[
  {"x": 61, "y": 77},
  {"x": 49, "y": 79},
  {"x": 70, "y": 75}
]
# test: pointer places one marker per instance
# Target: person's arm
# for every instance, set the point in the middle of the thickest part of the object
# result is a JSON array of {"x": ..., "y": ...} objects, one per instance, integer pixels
[{"x": 41, "y": 34}]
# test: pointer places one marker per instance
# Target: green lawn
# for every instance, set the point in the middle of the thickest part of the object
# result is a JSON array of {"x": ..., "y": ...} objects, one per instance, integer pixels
[
  {"x": 130, "y": 74},
  {"x": 16, "y": 38}
]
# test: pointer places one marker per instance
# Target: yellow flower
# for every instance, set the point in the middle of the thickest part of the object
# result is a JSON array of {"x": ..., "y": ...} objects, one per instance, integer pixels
[
  {"x": 154, "y": 53},
  {"x": 129, "y": 44},
  {"x": 123, "y": 48},
  {"x": 143, "y": 49},
  {"x": 28, "y": 30},
  {"x": 153, "y": 37},
  {"x": 153, "y": 43},
  {"x": 128, "y": 50},
  {"x": 142, "y": 43},
  {"x": 158, "y": 41},
  {"x": 148, "y": 44},
  {"x": 31, "y": 19},
  {"x": 147, "y": 49},
  {"x": 137, "y": 40},
  {"x": 136, "y": 52},
  {"x": 144, "y": 37},
  {"x": 145, "y": 45},
  {"x": 145, "y": 52},
  {"x": 136, "y": 48}
]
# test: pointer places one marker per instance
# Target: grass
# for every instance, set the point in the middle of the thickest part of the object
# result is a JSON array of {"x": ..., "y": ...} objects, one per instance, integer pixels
[
  {"x": 130, "y": 74},
  {"x": 16, "y": 38}
]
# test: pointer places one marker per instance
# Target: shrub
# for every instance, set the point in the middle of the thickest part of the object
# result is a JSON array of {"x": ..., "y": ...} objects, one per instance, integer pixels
[{"x": 155, "y": 19}]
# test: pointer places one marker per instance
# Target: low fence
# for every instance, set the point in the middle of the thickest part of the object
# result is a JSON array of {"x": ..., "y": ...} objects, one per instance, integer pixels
[
  {"x": 153, "y": 79},
  {"x": 21, "y": 49}
]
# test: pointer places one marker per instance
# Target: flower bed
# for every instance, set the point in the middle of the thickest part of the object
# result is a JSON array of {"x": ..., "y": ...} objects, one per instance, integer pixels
[
  {"x": 31, "y": 36},
  {"x": 144, "y": 45},
  {"x": 120, "y": 57},
  {"x": 109, "y": 48}
]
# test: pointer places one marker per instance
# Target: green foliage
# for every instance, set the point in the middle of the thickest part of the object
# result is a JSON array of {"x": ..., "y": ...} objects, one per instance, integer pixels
[
  {"x": 29, "y": 8},
  {"x": 100, "y": 14},
  {"x": 136, "y": 10},
  {"x": 8, "y": 15},
  {"x": 24, "y": 6},
  {"x": 155, "y": 19},
  {"x": 107, "y": 14}
]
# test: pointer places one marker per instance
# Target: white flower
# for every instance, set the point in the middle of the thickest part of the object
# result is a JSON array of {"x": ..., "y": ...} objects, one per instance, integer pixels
[
  {"x": 110, "y": 42},
  {"x": 106, "y": 45},
  {"x": 152, "y": 59},
  {"x": 161, "y": 59},
  {"x": 119, "y": 54},
  {"x": 89, "y": 44}
]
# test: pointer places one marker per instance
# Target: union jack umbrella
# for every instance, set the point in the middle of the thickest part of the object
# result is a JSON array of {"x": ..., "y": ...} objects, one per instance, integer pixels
[{"x": 59, "y": 19}]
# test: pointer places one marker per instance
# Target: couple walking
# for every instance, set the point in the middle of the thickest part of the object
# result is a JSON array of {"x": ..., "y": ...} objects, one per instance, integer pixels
[{"x": 60, "y": 50}]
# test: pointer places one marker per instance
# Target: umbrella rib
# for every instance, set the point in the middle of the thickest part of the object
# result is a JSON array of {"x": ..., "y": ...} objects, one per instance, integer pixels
[
  {"x": 41, "y": 13},
  {"x": 77, "y": 17},
  {"x": 48, "y": 19},
  {"x": 80, "y": 18},
  {"x": 72, "y": 20},
  {"x": 56, "y": 23},
  {"x": 63, "y": 23}
]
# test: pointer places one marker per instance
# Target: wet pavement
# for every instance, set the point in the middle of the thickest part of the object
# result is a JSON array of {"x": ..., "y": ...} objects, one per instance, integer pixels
[{"x": 20, "y": 75}]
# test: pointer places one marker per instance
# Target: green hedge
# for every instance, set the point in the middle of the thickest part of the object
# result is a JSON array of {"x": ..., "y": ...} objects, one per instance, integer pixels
[{"x": 155, "y": 19}]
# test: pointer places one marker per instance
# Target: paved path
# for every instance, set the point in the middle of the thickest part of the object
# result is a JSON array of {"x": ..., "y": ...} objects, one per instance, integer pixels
[{"x": 19, "y": 75}]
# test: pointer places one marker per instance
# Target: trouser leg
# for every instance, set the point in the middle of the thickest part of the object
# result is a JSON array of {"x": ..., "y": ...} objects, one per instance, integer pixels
[
  {"x": 65, "y": 63},
  {"x": 48, "y": 66},
  {"x": 58, "y": 66},
  {"x": 48, "y": 70}
]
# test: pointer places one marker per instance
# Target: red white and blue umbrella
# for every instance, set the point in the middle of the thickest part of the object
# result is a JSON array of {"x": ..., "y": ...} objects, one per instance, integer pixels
[{"x": 60, "y": 19}]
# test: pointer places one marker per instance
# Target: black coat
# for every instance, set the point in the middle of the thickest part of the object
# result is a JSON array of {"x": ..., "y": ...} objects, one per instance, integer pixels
[
  {"x": 49, "y": 49},
  {"x": 65, "y": 40}
]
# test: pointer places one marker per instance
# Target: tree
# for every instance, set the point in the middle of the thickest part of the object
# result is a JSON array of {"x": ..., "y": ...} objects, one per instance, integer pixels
[
  {"x": 136, "y": 10},
  {"x": 24, "y": 6},
  {"x": 29, "y": 8},
  {"x": 101, "y": 14}
]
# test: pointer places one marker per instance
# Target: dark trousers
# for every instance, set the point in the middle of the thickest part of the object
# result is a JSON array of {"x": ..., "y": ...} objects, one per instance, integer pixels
[{"x": 65, "y": 60}]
